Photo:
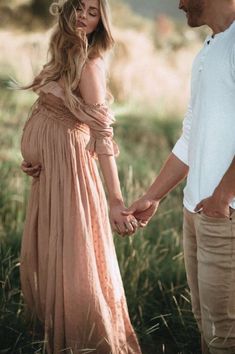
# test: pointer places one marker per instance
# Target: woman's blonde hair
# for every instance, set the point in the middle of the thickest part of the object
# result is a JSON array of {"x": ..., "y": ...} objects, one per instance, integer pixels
[{"x": 70, "y": 48}]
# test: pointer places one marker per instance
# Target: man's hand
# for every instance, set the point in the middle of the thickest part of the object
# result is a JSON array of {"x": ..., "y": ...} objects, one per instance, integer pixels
[
  {"x": 214, "y": 206},
  {"x": 217, "y": 205},
  {"x": 143, "y": 209}
]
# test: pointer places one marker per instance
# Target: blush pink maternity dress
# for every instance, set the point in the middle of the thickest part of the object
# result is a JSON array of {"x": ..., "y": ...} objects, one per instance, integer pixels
[{"x": 69, "y": 271}]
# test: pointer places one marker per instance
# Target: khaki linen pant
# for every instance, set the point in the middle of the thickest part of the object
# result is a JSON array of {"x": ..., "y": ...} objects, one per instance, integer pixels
[{"x": 209, "y": 251}]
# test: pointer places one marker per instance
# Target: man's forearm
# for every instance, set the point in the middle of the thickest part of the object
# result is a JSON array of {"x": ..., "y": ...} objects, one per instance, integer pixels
[{"x": 172, "y": 173}]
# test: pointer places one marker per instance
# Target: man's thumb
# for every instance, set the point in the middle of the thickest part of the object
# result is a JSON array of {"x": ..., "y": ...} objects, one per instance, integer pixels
[{"x": 128, "y": 211}]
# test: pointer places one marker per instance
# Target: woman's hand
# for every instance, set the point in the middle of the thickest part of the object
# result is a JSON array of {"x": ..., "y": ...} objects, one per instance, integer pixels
[
  {"x": 33, "y": 171},
  {"x": 123, "y": 225}
]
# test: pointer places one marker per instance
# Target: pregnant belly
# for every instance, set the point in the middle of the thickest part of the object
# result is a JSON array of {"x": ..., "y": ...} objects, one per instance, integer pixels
[
  {"x": 31, "y": 141},
  {"x": 46, "y": 138}
]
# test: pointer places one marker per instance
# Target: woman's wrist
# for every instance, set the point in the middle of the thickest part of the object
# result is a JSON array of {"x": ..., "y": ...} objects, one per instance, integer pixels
[{"x": 115, "y": 202}]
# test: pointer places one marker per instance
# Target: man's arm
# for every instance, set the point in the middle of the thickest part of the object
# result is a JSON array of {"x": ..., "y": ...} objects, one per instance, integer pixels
[
  {"x": 218, "y": 204},
  {"x": 172, "y": 173}
]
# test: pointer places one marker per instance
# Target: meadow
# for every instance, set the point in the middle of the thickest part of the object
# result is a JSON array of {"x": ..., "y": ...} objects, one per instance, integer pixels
[
  {"x": 151, "y": 262},
  {"x": 151, "y": 93}
]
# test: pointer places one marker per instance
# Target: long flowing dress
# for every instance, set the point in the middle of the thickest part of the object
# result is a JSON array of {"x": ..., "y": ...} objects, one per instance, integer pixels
[{"x": 69, "y": 271}]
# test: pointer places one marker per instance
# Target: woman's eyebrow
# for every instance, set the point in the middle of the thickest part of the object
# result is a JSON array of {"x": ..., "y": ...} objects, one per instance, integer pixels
[{"x": 94, "y": 8}]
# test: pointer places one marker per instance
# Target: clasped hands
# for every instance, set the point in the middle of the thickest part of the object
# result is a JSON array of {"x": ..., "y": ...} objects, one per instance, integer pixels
[
  {"x": 124, "y": 221},
  {"x": 137, "y": 215}
]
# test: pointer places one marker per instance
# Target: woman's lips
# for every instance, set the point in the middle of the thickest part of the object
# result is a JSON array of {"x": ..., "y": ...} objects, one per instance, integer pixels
[{"x": 81, "y": 24}]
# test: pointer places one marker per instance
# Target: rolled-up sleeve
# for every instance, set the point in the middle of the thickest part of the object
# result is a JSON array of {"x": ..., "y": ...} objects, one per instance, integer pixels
[{"x": 181, "y": 148}]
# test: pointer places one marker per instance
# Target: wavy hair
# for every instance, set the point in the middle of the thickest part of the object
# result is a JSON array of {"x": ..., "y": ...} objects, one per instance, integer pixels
[{"x": 70, "y": 48}]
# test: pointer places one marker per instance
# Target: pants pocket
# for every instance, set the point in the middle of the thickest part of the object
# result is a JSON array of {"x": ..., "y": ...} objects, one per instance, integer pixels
[{"x": 215, "y": 235}]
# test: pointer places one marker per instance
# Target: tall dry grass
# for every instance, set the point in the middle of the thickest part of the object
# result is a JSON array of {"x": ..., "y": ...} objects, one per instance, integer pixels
[
  {"x": 150, "y": 82},
  {"x": 151, "y": 263}
]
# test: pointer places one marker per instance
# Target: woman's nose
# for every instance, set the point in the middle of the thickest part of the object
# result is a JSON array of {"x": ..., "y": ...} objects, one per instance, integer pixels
[{"x": 83, "y": 14}]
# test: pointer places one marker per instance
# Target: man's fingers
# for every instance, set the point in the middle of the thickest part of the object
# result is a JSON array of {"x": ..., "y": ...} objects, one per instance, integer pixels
[
  {"x": 128, "y": 211},
  {"x": 143, "y": 223},
  {"x": 135, "y": 225},
  {"x": 129, "y": 229},
  {"x": 199, "y": 207}
]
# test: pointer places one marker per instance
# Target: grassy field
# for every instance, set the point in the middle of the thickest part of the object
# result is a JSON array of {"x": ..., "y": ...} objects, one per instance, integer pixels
[{"x": 151, "y": 262}]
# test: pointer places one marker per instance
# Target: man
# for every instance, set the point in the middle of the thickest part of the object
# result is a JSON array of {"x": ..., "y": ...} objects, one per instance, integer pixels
[{"x": 205, "y": 154}]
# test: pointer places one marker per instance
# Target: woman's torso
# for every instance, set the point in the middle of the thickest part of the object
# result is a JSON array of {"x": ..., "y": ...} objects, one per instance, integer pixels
[{"x": 49, "y": 120}]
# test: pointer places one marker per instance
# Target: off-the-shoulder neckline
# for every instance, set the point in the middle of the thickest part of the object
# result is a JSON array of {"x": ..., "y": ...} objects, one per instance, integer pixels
[{"x": 89, "y": 105}]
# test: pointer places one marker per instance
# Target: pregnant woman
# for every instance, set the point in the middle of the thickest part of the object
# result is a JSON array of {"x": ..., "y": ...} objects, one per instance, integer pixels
[{"x": 69, "y": 272}]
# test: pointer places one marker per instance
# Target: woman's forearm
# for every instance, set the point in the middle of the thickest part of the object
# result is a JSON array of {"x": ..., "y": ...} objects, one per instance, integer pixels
[{"x": 109, "y": 170}]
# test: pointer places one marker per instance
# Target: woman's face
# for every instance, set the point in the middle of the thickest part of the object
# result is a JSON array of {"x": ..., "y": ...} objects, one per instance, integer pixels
[{"x": 88, "y": 15}]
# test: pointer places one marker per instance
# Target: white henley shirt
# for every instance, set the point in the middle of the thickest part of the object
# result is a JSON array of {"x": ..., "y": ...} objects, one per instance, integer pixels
[{"x": 207, "y": 144}]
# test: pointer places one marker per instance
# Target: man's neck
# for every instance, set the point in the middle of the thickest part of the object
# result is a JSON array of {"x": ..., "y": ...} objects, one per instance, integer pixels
[
  {"x": 221, "y": 26},
  {"x": 221, "y": 19}
]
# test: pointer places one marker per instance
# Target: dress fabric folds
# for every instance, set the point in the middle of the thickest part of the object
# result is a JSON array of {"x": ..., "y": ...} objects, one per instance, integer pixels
[{"x": 69, "y": 272}]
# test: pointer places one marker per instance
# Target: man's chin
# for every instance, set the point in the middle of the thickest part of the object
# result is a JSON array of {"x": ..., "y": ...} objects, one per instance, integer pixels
[{"x": 193, "y": 24}]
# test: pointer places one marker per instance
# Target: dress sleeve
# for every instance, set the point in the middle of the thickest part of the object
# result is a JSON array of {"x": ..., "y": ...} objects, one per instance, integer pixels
[
  {"x": 181, "y": 148},
  {"x": 100, "y": 119},
  {"x": 97, "y": 116}
]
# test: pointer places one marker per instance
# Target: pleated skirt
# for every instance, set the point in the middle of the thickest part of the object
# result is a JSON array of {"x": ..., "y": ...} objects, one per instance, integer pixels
[{"x": 69, "y": 272}]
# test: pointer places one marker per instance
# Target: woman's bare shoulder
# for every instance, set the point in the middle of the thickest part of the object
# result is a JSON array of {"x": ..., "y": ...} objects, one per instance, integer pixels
[
  {"x": 92, "y": 85},
  {"x": 94, "y": 67}
]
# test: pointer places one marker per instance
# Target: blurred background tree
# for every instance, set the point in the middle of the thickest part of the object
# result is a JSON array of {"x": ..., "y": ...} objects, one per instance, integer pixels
[
  {"x": 25, "y": 14},
  {"x": 40, "y": 9}
]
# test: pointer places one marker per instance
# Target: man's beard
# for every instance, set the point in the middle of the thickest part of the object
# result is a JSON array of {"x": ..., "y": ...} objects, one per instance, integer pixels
[{"x": 195, "y": 12}]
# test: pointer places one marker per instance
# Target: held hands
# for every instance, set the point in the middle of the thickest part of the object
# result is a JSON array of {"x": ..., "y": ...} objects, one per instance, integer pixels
[
  {"x": 123, "y": 221},
  {"x": 122, "y": 224},
  {"x": 143, "y": 209}
]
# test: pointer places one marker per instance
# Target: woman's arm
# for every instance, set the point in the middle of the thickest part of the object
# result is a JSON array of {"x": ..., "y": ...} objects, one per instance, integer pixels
[
  {"x": 92, "y": 88},
  {"x": 109, "y": 170}
]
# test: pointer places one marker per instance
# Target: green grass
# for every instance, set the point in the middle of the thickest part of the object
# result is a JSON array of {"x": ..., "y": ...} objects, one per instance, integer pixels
[{"x": 151, "y": 263}]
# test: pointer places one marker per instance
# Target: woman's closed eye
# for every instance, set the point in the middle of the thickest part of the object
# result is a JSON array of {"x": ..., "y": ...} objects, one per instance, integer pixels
[{"x": 93, "y": 14}]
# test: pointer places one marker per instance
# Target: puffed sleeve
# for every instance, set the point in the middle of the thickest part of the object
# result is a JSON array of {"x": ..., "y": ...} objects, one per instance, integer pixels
[{"x": 99, "y": 118}]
